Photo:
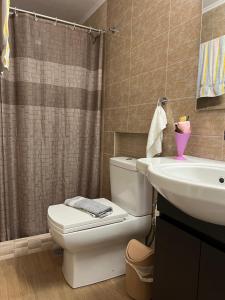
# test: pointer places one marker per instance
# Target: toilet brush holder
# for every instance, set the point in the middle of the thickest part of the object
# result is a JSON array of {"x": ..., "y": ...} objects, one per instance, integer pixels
[{"x": 181, "y": 143}]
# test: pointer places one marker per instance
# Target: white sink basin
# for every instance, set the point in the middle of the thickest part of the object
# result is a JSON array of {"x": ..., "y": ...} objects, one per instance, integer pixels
[{"x": 192, "y": 185}]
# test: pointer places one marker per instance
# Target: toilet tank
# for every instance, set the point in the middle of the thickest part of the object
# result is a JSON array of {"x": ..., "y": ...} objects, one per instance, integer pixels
[{"x": 130, "y": 189}]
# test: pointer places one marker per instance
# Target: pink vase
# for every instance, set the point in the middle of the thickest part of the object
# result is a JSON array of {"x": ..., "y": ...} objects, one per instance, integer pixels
[{"x": 181, "y": 143}]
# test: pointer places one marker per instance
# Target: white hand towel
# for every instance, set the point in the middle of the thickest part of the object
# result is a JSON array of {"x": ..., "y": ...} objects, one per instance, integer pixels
[{"x": 155, "y": 136}]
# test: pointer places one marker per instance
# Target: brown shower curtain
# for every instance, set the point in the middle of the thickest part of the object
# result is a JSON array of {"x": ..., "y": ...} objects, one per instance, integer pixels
[{"x": 49, "y": 122}]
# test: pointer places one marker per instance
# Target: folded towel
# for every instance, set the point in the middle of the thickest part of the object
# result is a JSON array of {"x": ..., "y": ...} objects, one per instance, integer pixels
[
  {"x": 94, "y": 208},
  {"x": 155, "y": 136}
]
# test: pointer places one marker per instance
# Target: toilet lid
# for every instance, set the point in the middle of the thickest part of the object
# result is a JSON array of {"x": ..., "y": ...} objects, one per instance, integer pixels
[{"x": 67, "y": 219}]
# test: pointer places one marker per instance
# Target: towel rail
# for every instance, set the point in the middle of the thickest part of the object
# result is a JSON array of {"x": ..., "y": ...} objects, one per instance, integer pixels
[{"x": 162, "y": 101}]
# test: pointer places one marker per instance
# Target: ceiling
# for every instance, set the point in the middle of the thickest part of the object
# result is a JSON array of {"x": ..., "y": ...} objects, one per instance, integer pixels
[{"x": 70, "y": 10}]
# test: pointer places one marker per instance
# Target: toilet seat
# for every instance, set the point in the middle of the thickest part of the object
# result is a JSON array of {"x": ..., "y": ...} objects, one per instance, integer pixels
[{"x": 65, "y": 219}]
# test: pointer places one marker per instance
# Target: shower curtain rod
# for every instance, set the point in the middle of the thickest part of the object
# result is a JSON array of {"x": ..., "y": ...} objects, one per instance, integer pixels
[{"x": 56, "y": 19}]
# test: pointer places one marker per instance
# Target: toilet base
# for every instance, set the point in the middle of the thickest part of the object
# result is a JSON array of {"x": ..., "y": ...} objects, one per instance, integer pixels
[{"x": 94, "y": 265}]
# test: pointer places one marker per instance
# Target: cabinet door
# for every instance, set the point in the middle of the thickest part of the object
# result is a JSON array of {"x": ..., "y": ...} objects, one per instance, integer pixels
[
  {"x": 212, "y": 274},
  {"x": 177, "y": 256}
]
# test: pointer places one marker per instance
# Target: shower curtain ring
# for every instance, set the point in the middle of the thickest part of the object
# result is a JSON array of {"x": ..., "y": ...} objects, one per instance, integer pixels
[
  {"x": 90, "y": 29},
  {"x": 74, "y": 26},
  {"x": 56, "y": 19},
  {"x": 16, "y": 13}
]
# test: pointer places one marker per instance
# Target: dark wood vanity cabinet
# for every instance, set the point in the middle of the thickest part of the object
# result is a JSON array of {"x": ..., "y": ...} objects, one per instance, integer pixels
[
  {"x": 187, "y": 265},
  {"x": 176, "y": 263},
  {"x": 211, "y": 274}
]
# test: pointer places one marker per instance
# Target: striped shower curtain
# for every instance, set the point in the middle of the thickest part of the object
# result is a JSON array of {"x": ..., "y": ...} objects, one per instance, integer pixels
[{"x": 49, "y": 122}]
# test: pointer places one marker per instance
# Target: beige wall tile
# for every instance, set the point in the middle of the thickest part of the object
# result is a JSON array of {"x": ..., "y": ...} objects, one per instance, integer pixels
[
  {"x": 118, "y": 68},
  {"x": 207, "y": 27},
  {"x": 206, "y": 35},
  {"x": 147, "y": 87},
  {"x": 108, "y": 146},
  {"x": 105, "y": 188},
  {"x": 121, "y": 41},
  {"x": 223, "y": 150},
  {"x": 205, "y": 146},
  {"x": 184, "y": 41},
  {"x": 117, "y": 94},
  {"x": 185, "y": 51},
  {"x": 118, "y": 45},
  {"x": 218, "y": 28},
  {"x": 149, "y": 55},
  {"x": 157, "y": 21},
  {"x": 131, "y": 144},
  {"x": 182, "y": 79},
  {"x": 117, "y": 10},
  {"x": 139, "y": 7},
  {"x": 153, "y": 7},
  {"x": 116, "y": 119},
  {"x": 185, "y": 33},
  {"x": 183, "y": 11},
  {"x": 200, "y": 146},
  {"x": 169, "y": 145},
  {"x": 139, "y": 118},
  {"x": 171, "y": 118},
  {"x": 219, "y": 11}
]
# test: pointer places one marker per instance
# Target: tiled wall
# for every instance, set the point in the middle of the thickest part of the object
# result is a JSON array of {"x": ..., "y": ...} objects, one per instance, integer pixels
[{"x": 154, "y": 54}]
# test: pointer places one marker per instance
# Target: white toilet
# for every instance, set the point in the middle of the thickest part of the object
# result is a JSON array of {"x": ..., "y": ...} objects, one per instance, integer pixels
[{"x": 94, "y": 248}]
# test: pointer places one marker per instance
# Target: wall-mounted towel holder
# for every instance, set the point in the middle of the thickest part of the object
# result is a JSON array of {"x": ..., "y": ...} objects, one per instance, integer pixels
[{"x": 162, "y": 101}]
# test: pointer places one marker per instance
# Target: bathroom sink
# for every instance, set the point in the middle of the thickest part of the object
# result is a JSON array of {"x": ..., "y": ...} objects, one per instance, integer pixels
[{"x": 196, "y": 186}]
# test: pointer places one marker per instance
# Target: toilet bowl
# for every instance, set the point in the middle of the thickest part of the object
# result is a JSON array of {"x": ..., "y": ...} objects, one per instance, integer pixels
[{"x": 94, "y": 248}]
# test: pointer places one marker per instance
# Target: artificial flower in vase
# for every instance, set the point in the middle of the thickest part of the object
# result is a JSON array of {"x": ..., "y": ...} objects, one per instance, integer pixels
[{"x": 182, "y": 135}]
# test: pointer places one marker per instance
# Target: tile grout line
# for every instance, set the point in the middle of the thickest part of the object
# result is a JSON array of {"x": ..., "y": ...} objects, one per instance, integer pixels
[
  {"x": 154, "y": 69},
  {"x": 131, "y": 41},
  {"x": 184, "y": 23},
  {"x": 103, "y": 108},
  {"x": 168, "y": 45}
]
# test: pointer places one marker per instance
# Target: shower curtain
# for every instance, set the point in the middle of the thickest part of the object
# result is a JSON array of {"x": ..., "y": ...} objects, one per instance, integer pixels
[{"x": 50, "y": 113}]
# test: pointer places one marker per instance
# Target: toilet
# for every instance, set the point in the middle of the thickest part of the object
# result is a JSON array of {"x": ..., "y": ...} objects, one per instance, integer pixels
[{"x": 94, "y": 248}]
